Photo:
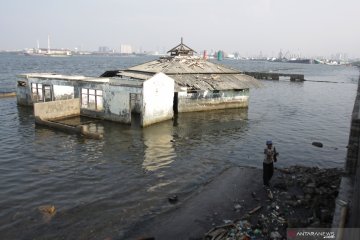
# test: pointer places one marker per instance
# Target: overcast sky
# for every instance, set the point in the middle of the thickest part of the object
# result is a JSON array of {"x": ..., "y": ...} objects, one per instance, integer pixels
[{"x": 309, "y": 27}]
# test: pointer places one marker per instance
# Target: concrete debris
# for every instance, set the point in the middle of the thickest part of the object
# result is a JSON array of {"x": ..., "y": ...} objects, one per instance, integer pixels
[
  {"x": 255, "y": 210},
  {"x": 301, "y": 197},
  {"x": 253, "y": 194},
  {"x": 237, "y": 207},
  {"x": 270, "y": 195},
  {"x": 173, "y": 199},
  {"x": 275, "y": 235}
]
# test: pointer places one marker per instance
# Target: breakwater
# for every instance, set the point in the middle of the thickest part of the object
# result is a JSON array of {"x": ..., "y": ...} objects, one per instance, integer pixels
[
  {"x": 348, "y": 201},
  {"x": 276, "y": 76}
]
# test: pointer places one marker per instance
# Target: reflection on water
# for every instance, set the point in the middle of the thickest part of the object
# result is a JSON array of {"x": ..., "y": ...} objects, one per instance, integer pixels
[{"x": 159, "y": 150}]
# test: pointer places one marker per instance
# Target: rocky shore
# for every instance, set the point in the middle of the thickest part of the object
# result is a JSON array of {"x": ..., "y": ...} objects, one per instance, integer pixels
[
  {"x": 236, "y": 206},
  {"x": 299, "y": 197}
]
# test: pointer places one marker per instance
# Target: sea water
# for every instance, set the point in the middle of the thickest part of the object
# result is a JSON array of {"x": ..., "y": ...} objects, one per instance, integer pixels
[{"x": 102, "y": 188}]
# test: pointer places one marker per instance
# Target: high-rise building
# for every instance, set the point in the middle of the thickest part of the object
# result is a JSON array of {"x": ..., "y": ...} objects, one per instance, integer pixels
[
  {"x": 125, "y": 49},
  {"x": 104, "y": 49}
]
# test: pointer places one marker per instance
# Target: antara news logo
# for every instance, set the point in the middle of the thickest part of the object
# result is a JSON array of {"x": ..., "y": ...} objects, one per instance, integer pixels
[{"x": 307, "y": 234}]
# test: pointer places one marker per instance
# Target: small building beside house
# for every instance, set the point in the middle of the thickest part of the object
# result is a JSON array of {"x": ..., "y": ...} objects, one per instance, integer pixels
[
  {"x": 154, "y": 90},
  {"x": 111, "y": 99}
]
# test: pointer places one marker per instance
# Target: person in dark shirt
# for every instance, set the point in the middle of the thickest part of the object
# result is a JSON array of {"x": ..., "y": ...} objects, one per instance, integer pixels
[{"x": 270, "y": 156}]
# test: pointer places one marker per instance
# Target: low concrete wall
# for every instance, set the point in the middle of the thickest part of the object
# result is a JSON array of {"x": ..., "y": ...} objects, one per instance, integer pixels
[
  {"x": 79, "y": 129},
  {"x": 57, "y": 109},
  {"x": 194, "y": 102}
]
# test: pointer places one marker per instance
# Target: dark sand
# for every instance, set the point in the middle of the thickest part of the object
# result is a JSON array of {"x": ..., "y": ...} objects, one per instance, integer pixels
[{"x": 213, "y": 204}]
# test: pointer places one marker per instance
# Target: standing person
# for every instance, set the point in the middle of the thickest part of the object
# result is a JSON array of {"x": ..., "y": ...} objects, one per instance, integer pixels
[{"x": 268, "y": 164}]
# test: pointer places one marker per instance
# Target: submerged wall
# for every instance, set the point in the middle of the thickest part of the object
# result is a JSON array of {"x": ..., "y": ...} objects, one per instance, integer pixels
[
  {"x": 212, "y": 100},
  {"x": 23, "y": 96},
  {"x": 57, "y": 109},
  {"x": 158, "y": 98}
]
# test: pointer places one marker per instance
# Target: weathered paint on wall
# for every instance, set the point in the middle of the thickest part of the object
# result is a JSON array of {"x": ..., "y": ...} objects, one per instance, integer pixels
[
  {"x": 136, "y": 102},
  {"x": 158, "y": 97},
  {"x": 115, "y": 98},
  {"x": 57, "y": 109},
  {"x": 212, "y": 100},
  {"x": 152, "y": 98},
  {"x": 117, "y": 103},
  {"x": 23, "y": 96}
]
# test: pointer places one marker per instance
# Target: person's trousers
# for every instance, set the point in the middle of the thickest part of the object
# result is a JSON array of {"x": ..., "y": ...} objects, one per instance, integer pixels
[{"x": 268, "y": 171}]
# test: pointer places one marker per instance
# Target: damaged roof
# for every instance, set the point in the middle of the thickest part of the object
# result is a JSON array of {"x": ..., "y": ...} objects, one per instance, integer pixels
[
  {"x": 192, "y": 73},
  {"x": 214, "y": 81},
  {"x": 181, "y": 65}
]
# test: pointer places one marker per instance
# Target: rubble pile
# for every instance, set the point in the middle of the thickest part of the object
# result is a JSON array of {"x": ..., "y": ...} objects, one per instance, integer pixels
[{"x": 299, "y": 197}]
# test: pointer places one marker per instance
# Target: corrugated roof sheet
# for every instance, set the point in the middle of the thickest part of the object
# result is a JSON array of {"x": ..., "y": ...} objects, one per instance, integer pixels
[
  {"x": 181, "y": 65},
  {"x": 214, "y": 81},
  {"x": 192, "y": 73}
]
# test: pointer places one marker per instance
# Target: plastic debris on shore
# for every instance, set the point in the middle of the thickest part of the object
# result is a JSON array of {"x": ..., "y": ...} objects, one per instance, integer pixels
[{"x": 300, "y": 197}]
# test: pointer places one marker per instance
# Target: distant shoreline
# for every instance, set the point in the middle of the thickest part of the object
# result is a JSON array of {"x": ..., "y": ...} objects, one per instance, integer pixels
[{"x": 7, "y": 94}]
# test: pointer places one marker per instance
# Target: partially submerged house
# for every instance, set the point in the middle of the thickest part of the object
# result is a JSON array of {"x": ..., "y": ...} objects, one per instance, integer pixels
[
  {"x": 56, "y": 96},
  {"x": 200, "y": 85},
  {"x": 155, "y": 90}
]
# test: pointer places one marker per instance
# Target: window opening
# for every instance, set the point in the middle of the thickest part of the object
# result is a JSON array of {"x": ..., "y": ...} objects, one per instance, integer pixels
[
  {"x": 37, "y": 92},
  {"x": 92, "y": 99}
]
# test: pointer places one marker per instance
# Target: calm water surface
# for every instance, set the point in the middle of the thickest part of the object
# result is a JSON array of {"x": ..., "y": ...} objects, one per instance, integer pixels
[{"x": 101, "y": 188}]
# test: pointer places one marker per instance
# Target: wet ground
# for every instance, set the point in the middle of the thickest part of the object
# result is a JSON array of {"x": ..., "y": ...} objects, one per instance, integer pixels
[{"x": 236, "y": 205}]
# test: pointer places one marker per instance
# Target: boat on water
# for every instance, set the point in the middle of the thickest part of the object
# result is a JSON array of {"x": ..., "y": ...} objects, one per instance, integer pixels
[
  {"x": 300, "y": 60},
  {"x": 48, "y": 53}
]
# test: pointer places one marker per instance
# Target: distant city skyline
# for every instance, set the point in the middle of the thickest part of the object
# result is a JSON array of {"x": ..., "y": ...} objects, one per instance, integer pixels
[{"x": 249, "y": 27}]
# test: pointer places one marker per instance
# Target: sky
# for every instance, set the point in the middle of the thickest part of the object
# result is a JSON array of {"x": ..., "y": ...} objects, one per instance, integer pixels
[{"x": 306, "y": 27}]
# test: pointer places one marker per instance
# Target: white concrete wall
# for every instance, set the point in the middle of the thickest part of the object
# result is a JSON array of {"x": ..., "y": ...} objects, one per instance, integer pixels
[
  {"x": 57, "y": 109},
  {"x": 158, "y": 97},
  {"x": 117, "y": 103}
]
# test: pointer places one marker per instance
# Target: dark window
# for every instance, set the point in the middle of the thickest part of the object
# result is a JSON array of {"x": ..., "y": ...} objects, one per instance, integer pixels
[{"x": 21, "y": 83}]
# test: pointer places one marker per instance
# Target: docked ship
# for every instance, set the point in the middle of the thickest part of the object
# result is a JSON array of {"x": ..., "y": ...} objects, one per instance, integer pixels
[
  {"x": 47, "y": 51},
  {"x": 300, "y": 60}
]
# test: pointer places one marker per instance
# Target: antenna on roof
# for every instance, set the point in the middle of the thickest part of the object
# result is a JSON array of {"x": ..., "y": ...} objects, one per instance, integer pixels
[{"x": 181, "y": 40}]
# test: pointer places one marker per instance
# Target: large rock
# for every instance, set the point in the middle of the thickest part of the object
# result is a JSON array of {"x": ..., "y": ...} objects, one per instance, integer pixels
[{"x": 317, "y": 144}]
